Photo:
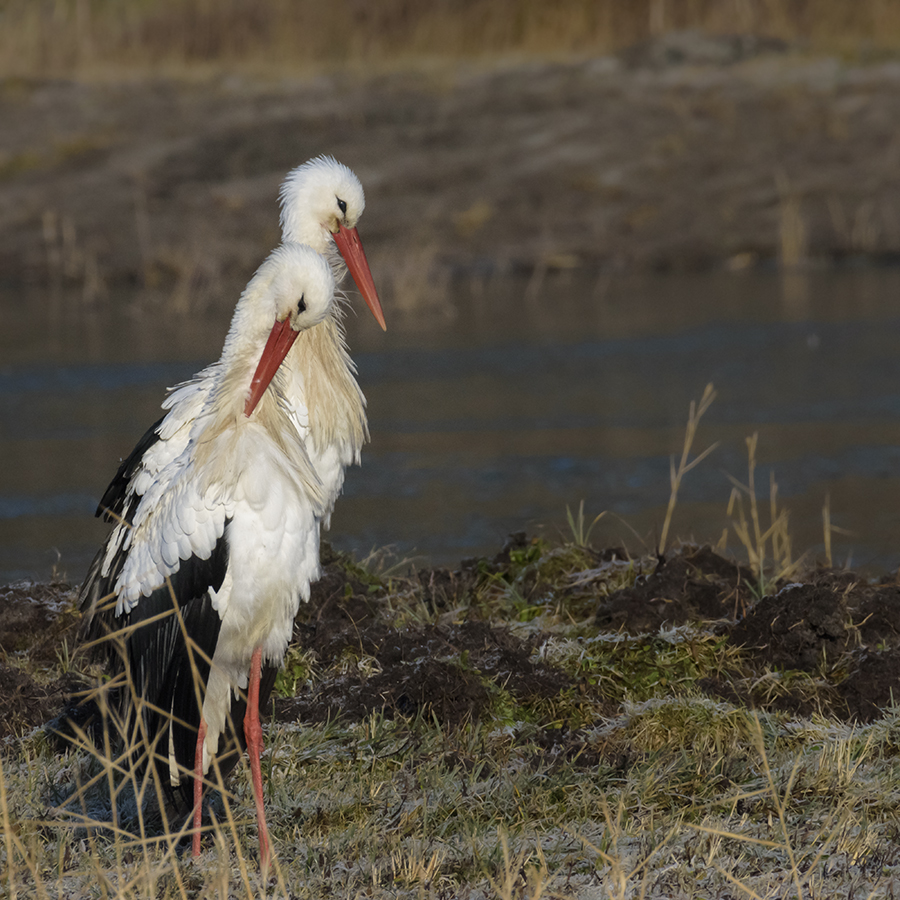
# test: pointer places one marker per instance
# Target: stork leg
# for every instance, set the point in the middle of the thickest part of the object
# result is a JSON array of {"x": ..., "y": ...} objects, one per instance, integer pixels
[
  {"x": 253, "y": 733},
  {"x": 198, "y": 786}
]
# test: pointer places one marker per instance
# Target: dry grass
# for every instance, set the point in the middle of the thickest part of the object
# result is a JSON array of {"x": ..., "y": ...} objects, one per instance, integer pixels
[
  {"x": 685, "y": 464},
  {"x": 90, "y": 37},
  {"x": 758, "y": 543},
  {"x": 715, "y": 798}
]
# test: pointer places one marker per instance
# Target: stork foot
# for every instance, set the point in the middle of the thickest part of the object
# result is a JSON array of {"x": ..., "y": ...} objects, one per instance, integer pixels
[
  {"x": 198, "y": 787},
  {"x": 254, "y": 735}
]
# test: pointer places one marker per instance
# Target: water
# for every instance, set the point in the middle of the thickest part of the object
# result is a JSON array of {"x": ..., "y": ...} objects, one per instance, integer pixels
[{"x": 495, "y": 409}]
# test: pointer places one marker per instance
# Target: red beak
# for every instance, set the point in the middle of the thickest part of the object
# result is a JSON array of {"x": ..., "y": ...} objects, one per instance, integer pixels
[
  {"x": 281, "y": 339},
  {"x": 348, "y": 242}
]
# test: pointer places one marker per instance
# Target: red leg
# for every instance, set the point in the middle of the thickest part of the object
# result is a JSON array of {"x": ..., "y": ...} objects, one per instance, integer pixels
[
  {"x": 198, "y": 785},
  {"x": 253, "y": 733}
]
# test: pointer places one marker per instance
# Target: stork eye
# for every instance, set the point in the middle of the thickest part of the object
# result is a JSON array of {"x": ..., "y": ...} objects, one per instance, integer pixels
[
  {"x": 342, "y": 205},
  {"x": 301, "y": 305}
]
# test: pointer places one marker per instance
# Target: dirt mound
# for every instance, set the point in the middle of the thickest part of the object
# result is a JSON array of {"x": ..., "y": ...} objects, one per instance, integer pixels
[
  {"x": 446, "y": 644},
  {"x": 38, "y": 625},
  {"x": 844, "y": 633},
  {"x": 26, "y": 703},
  {"x": 692, "y": 586},
  {"x": 834, "y": 625},
  {"x": 832, "y": 615},
  {"x": 37, "y": 620},
  {"x": 452, "y": 673}
]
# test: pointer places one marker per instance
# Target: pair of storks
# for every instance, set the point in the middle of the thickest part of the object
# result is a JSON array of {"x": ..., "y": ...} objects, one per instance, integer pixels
[{"x": 218, "y": 509}]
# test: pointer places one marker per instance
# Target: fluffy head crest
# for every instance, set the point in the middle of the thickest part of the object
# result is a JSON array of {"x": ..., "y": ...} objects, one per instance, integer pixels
[
  {"x": 316, "y": 198},
  {"x": 301, "y": 284}
]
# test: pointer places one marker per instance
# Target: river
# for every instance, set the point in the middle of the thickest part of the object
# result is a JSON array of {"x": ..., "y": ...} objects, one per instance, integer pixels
[{"x": 502, "y": 403}]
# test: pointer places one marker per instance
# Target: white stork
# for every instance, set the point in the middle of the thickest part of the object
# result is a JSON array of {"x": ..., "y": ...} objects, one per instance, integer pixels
[
  {"x": 199, "y": 582},
  {"x": 321, "y": 202},
  {"x": 179, "y": 534}
]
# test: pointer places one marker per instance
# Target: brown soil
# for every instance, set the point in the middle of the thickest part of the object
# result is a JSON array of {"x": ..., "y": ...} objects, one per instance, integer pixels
[
  {"x": 38, "y": 629},
  {"x": 417, "y": 670},
  {"x": 695, "y": 586},
  {"x": 423, "y": 670},
  {"x": 835, "y": 624},
  {"x": 843, "y": 630},
  {"x": 658, "y": 159}
]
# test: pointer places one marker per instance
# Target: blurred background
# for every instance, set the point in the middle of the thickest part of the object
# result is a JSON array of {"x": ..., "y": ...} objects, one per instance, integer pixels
[{"x": 579, "y": 215}]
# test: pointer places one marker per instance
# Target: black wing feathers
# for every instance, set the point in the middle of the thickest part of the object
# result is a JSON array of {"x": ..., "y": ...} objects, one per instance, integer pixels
[
  {"x": 159, "y": 643},
  {"x": 116, "y": 504},
  {"x": 166, "y": 643},
  {"x": 169, "y": 653},
  {"x": 112, "y": 503}
]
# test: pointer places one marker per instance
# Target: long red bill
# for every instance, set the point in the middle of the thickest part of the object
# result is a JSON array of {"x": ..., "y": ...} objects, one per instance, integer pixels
[
  {"x": 348, "y": 242},
  {"x": 281, "y": 339}
]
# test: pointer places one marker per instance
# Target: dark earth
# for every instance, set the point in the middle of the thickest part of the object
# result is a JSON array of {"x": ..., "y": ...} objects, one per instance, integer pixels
[{"x": 842, "y": 630}]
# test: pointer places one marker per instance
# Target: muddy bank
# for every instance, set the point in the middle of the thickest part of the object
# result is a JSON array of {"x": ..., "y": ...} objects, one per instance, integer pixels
[
  {"x": 468, "y": 644},
  {"x": 645, "y": 161}
]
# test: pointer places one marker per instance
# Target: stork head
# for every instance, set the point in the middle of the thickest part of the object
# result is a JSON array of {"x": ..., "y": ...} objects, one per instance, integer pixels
[
  {"x": 295, "y": 291},
  {"x": 321, "y": 203}
]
